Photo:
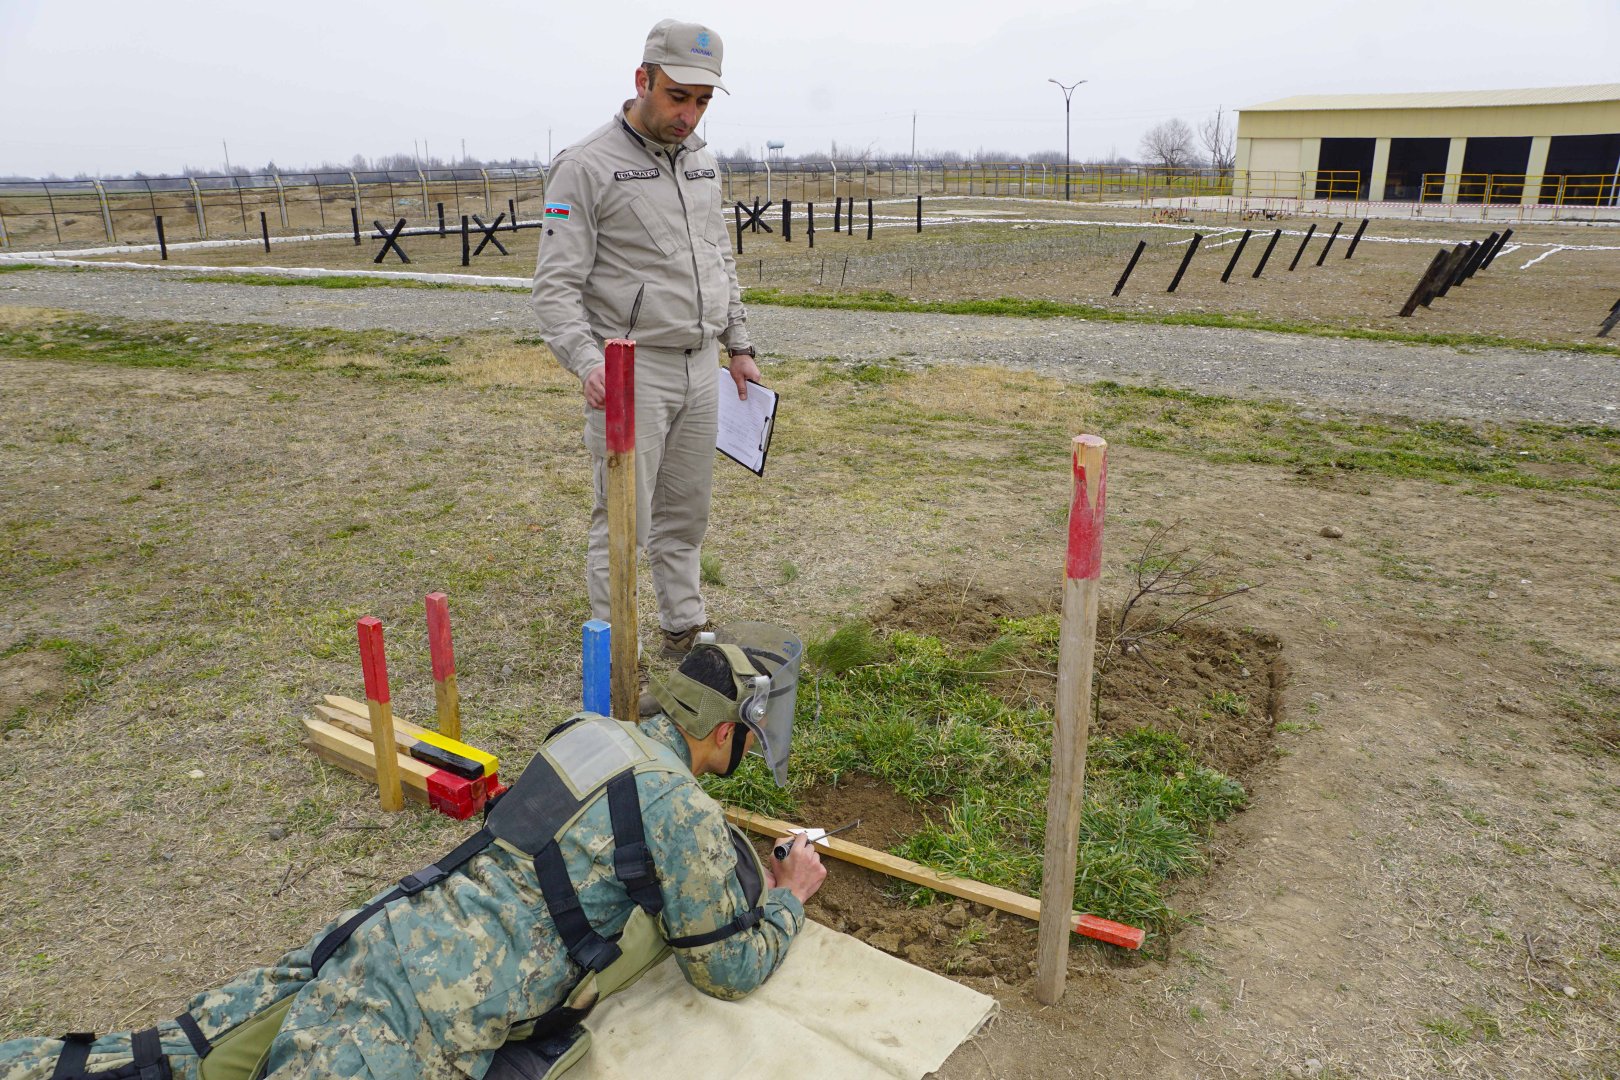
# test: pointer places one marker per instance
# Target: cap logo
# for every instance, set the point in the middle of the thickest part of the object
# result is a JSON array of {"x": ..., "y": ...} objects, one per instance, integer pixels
[{"x": 703, "y": 40}]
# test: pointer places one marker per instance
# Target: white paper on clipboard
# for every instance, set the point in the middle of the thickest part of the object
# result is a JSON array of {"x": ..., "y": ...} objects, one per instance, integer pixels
[{"x": 745, "y": 427}]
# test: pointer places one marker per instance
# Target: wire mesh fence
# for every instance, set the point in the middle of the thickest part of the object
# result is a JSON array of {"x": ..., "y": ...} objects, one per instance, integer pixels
[{"x": 91, "y": 212}]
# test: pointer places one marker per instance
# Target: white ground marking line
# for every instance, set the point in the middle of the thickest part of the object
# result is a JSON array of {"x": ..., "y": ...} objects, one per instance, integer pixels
[{"x": 1556, "y": 248}]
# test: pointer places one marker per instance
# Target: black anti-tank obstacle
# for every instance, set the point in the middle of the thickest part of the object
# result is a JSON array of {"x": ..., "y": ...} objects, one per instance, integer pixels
[
  {"x": 390, "y": 240},
  {"x": 1486, "y": 265},
  {"x": 1141, "y": 246},
  {"x": 1185, "y": 259},
  {"x": 1320, "y": 259},
  {"x": 1356, "y": 239},
  {"x": 1236, "y": 255},
  {"x": 1260, "y": 267},
  {"x": 1426, "y": 284},
  {"x": 1302, "y": 244}
]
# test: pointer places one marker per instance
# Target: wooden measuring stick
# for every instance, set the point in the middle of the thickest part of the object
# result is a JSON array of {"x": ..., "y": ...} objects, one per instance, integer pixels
[
  {"x": 421, "y": 743},
  {"x": 1077, "y": 638},
  {"x": 621, "y": 508},
  {"x": 382, "y": 713},
  {"x": 1129, "y": 937},
  {"x": 446, "y": 698}
]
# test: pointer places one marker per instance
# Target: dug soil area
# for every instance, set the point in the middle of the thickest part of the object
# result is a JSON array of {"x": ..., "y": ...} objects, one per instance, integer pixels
[{"x": 1425, "y": 883}]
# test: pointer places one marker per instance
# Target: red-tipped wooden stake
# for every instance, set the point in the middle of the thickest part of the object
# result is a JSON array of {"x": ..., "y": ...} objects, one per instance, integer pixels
[
  {"x": 1076, "y": 645},
  {"x": 446, "y": 698},
  {"x": 621, "y": 507},
  {"x": 382, "y": 713}
]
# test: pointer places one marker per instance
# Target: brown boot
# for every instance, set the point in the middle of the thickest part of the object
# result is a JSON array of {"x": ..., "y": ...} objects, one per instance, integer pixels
[{"x": 678, "y": 644}]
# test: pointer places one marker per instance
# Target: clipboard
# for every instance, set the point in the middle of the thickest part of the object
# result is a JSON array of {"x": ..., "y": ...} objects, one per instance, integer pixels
[{"x": 743, "y": 432}]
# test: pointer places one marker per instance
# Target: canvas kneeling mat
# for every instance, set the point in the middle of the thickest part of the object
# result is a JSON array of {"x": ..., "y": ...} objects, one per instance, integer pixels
[{"x": 836, "y": 1009}]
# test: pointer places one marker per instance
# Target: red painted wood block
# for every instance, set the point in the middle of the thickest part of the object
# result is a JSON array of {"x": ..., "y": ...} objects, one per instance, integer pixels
[
  {"x": 372, "y": 664},
  {"x": 456, "y": 795},
  {"x": 1092, "y": 926},
  {"x": 621, "y": 395},
  {"x": 438, "y": 620},
  {"x": 1086, "y": 510}
]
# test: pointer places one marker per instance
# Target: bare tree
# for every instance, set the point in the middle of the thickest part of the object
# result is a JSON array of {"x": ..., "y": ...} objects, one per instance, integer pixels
[
  {"x": 1219, "y": 142},
  {"x": 1169, "y": 144}
]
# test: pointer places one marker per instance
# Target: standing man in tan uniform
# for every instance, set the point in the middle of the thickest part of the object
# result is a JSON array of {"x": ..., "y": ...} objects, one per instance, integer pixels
[{"x": 634, "y": 244}]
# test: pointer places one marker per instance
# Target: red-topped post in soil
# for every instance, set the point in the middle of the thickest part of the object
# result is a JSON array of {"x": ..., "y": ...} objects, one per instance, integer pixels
[
  {"x": 446, "y": 698},
  {"x": 375, "y": 669},
  {"x": 1076, "y": 646},
  {"x": 621, "y": 508}
]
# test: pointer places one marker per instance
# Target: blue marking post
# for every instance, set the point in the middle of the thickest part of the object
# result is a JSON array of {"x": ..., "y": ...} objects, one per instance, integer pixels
[{"x": 598, "y": 665}]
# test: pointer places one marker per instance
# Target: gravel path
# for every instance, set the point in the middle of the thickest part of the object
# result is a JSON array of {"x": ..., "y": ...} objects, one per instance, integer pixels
[{"x": 1358, "y": 376}]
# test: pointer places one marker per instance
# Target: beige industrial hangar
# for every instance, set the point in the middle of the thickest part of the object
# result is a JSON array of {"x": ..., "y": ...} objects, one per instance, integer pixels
[{"x": 1554, "y": 145}]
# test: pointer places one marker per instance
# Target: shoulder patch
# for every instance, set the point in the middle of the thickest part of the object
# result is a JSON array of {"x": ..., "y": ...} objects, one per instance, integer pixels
[
  {"x": 700, "y": 174},
  {"x": 557, "y": 211},
  {"x": 637, "y": 174}
]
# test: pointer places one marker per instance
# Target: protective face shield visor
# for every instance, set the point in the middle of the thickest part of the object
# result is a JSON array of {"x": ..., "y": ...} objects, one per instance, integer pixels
[
  {"x": 768, "y": 704},
  {"x": 764, "y": 665}
]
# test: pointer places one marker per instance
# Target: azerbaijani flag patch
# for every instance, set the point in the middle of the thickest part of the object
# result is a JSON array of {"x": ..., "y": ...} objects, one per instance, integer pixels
[{"x": 556, "y": 211}]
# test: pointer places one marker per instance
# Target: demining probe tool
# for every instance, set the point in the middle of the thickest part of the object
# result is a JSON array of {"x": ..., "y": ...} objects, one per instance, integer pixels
[{"x": 813, "y": 836}]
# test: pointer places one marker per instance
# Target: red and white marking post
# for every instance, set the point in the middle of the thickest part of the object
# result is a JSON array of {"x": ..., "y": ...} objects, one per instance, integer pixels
[
  {"x": 1076, "y": 646},
  {"x": 621, "y": 507},
  {"x": 446, "y": 698},
  {"x": 382, "y": 713}
]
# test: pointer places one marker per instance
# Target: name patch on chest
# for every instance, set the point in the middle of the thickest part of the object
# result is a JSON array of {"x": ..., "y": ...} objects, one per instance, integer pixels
[
  {"x": 636, "y": 174},
  {"x": 700, "y": 174}
]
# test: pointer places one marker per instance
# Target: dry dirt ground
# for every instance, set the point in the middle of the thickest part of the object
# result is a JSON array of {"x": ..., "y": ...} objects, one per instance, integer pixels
[{"x": 1427, "y": 882}]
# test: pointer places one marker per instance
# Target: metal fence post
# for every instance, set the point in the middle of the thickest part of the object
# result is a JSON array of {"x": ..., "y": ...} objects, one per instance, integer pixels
[
  {"x": 488, "y": 205},
  {"x": 197, "y": 201},
  {"x": 767, "y": 181},
  {"x": 106, "y": 211},
  {"x": 281, "y": 198},
  {"x": 356, "y": 184},
  {"x": 422, "y": 177}
]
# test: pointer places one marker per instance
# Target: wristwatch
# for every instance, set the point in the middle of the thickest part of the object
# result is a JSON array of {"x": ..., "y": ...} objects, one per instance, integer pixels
[{"x": 747, "y": 350}]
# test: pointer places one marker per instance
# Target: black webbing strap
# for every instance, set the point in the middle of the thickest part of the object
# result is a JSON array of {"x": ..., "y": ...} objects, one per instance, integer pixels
[
  {"x": 147, "y": 1050},
  {"x": 585, "y": 946},
  {"x": 632, "y": 862},
  {"x": 746, "y": 921},
  {"x": 75, "y": 1053},
  {"x": 199, "y": 1041},
  {"x": 408, "y": 886}
]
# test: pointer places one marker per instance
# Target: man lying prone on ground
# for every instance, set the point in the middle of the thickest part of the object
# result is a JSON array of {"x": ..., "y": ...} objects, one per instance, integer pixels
[{"x": 604, "y": 856}]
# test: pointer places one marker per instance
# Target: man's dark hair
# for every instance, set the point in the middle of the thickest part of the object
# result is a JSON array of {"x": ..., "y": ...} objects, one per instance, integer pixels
[
  {"x": 710, "y": 667},
  {"x": 652, "y": 71}
]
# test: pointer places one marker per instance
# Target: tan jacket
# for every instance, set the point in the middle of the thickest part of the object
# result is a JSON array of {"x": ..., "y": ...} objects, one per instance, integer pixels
[{"x": 622, "y": 218}]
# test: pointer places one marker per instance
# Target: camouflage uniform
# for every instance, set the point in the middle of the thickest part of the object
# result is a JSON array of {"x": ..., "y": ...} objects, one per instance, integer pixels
[{"x": 430, "y": 987}]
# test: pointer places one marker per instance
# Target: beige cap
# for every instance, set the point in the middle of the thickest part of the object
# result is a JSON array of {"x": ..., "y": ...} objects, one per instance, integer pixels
[{"x": 688, "y": 53}]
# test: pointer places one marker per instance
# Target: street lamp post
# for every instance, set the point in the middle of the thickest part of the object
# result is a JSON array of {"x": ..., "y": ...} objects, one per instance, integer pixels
[{"x": 1067, "y": 91}]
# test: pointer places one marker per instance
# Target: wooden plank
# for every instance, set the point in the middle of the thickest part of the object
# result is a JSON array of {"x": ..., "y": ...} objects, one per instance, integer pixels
[
  {"x": 406, "y": 731},
  {"x": 977, "y": 891},
  {"x": 444, "y": 791}
]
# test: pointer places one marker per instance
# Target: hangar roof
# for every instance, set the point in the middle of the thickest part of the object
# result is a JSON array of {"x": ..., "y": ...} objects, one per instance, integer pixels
[{"x": 1449, "y": 99}]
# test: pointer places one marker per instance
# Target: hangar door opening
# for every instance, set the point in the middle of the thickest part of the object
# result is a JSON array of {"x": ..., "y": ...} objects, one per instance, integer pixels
[
  {"x": 1580, "y": 170},
  {"x": 1344, "y": 168},
  {"x": 1410, "y": 160},
  {"x": 1493, "y": 170}
]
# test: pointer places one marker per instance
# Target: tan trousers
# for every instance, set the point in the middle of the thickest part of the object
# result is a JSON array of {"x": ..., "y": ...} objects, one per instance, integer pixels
[{"x": 676, "y": 418}]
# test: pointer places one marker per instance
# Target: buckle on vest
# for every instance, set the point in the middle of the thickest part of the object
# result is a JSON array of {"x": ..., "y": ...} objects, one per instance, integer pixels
[
  {"x": 415, "y": 883},
  {"x": 632, "y": 864}
]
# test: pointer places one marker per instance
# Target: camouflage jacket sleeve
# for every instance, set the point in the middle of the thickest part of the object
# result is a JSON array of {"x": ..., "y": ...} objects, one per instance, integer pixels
[{"x": 697, "y": 871}]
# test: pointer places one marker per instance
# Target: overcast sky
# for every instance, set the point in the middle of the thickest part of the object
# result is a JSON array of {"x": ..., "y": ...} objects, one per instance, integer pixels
[{"x": 108, "y": 88}]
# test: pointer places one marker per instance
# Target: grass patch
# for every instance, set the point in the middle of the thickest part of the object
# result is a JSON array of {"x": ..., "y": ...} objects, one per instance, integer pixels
[
  {"x": 920, "y": 716},
  {"x": 1014, "y": 307}
]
